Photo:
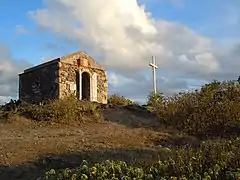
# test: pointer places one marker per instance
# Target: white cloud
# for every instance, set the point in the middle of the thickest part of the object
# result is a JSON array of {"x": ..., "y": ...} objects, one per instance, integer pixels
[
  {"x": 117, "y": 80},
  {"x": 20, "y": 29},
  {"x": 4, "y": 99},
  {"x": 9, "y": 70},
  {"x": 125, "y": 36}
]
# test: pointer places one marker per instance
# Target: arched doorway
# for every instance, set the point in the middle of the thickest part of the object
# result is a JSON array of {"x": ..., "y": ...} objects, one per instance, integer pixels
[{"x": 85, "y": 86}]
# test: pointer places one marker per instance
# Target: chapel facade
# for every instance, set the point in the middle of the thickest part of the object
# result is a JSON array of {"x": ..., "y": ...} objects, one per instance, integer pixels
[{"x": 74, "y": 74}]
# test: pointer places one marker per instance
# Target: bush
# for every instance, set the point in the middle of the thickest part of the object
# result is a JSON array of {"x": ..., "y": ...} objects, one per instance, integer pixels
[
  {"x": 119, "y": 100},
  {"x": 7, "y": 117},
  {"x": 214, "y": 160},
  {"x": 65, "y": 111},
  {"x": 212, "y": 111},
  {"x": 155, "y": 101}
]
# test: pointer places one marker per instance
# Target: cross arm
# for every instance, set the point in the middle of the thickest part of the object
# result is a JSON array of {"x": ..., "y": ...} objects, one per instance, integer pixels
[{"x": 153, "y": 65}]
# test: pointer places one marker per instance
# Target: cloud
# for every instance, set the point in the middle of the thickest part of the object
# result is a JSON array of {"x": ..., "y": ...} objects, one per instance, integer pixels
[
  {"x": 122, "y": 29},
  {"x": 4, "y": 99},
  {"x": 139, "y": 85},
  {"x": 125, "y": 36},
  {"x": 20, "y": 29},
  {"x": 9, "y": 69}
]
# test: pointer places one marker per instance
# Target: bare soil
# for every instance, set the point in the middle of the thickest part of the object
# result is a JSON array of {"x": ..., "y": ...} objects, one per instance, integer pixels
[{"x": 123, "y": 135}]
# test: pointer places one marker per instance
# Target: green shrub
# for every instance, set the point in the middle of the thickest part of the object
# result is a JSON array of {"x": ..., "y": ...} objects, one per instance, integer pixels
[
  {"x": 7, "y": 117},
  {"x": 155, "y": 101},
  {"x": 212, "y": 111},
  {"x": 214, "y": 160},
  {"x": 119, "y": 100},
  {"x": 65, "y": 111}
]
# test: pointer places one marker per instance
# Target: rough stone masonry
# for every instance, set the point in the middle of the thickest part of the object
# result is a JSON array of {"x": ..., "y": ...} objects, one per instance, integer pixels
[{"x": 75, "y": 74}]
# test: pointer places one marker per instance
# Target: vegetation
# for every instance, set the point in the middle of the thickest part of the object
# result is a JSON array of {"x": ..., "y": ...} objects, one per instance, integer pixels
[
  {"x": 213, "y": 160},
  {"x": 119, "y": 100},
  {"x": 154, "y": 100},
  {"x": 210, "y": 114},
  {"x": 214, "y": 110},
  {"x": 64, "y": 111}
]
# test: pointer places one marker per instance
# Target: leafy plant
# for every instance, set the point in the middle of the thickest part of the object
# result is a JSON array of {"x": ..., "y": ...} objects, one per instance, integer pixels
[
  {"x": 211, "y": 111},
  {"x": 155, "y": 101},
  {"x": 65, "y": 111},
  {"x": 119, "y": 100},
  {"x": 213, "y": 160}
]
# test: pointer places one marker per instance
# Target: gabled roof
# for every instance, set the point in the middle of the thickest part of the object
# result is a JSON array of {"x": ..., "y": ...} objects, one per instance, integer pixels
[
  {"x": 82, "y": 55},
  {"x": 78, "y": 55},
  {"x": 41, "y": 65}
]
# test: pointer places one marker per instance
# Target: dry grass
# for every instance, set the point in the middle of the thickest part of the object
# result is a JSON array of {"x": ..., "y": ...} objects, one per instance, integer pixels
[
  {"x": 75, "y": 131},
  {"x": 119, "y": 100},
  {"x": 64, "y": 111},
  {"x": 126, "y": 137},
  {"x": 22, "y": 143},
  {"x": 213, "y": 111}
]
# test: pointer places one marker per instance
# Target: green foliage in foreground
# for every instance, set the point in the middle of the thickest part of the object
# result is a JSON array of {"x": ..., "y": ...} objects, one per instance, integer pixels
[
  {"x": 213, "y": 160},
  {"x": 214, "y": 110}
]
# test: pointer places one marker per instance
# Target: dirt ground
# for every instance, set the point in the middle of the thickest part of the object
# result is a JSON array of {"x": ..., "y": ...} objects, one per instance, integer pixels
[{"x": 123, "y": 135}]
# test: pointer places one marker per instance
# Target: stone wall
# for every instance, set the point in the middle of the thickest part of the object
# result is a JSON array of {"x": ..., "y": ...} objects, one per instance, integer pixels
[
  {"x": 102, "y": 86},
  {"x": 73, "y": 59},
  {"x": 68, "y": 80},
  {"x": 58, "y": 78},
  {"x": 39, "y": 84}
]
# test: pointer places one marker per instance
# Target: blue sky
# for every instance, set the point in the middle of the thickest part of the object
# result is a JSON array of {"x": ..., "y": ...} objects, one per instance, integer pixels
[
  {"x": 30, "y": 39},
  {"x": 32, "y": 45},
  {"x": 203, "y": 16}
]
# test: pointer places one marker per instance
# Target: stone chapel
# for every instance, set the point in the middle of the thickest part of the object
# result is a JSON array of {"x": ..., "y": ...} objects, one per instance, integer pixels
[{"x": 74, "y": 74}]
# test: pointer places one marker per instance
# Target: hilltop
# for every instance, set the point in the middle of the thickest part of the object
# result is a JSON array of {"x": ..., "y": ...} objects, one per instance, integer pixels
[{"x": 199, "y": 128}]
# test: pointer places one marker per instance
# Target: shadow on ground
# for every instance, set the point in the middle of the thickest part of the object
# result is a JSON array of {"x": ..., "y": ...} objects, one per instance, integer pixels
[
  {"x": 36, "y": 169},
  {"x": 132, "y": 116}
]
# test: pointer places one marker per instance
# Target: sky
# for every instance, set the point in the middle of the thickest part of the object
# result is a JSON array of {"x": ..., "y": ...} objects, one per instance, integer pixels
[{"x": 194, "y": 42}]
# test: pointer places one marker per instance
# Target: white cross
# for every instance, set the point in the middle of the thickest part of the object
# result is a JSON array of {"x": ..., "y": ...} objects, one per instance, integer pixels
[{"x": 154, "y": 67}]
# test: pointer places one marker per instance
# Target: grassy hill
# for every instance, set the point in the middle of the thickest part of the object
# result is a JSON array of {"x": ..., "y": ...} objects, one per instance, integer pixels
[{"x": 191, "y": 135}]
